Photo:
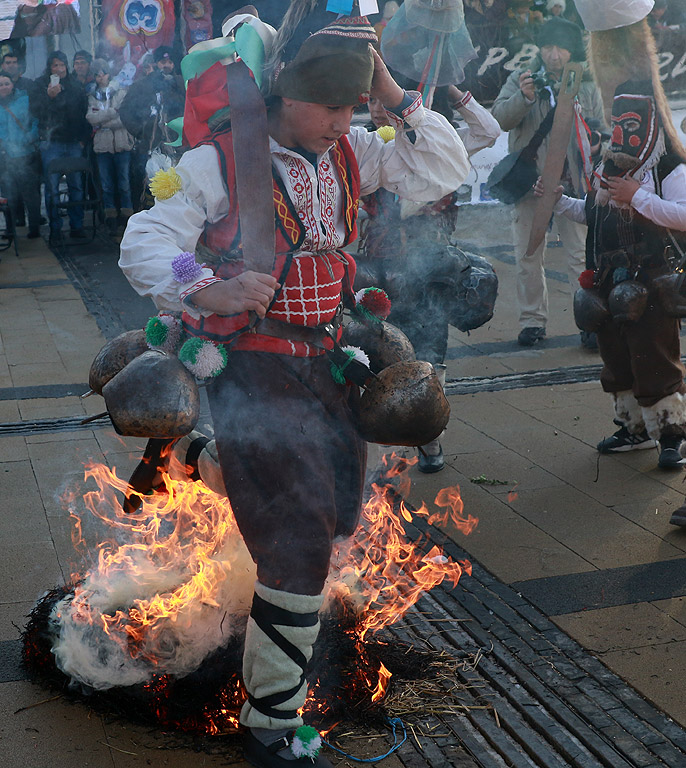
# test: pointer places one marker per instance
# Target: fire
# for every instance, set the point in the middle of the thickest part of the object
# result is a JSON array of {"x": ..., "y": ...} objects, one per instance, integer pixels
[
  {"x": 382, "y": 572},
  {"x": 172, "y": 582},
  {"x": 382, "y": 685}
]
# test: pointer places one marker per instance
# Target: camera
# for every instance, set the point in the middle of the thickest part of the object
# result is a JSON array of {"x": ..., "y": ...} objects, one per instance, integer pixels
[{"x": 541, "y": 80}]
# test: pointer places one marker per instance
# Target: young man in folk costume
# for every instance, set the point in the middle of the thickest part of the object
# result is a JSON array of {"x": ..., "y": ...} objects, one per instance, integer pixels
[
  {"x": 291, "y": 459},
  {"x": 636, "y": 212}
]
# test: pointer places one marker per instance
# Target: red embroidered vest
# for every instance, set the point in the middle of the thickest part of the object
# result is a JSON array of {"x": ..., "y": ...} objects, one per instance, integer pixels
[{"x": 311, "y": 283}]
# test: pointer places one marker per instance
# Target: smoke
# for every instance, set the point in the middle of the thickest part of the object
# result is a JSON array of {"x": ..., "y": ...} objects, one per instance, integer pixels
[{"x": 99, "y": 647}]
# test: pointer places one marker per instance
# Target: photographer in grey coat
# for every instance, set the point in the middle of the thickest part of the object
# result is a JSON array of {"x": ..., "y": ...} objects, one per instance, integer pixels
[{"x": 521, "y": 107}]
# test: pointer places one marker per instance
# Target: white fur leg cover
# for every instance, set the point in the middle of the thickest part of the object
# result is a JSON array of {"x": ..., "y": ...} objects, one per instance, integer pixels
[
  {"x": 666, "y": 417},
  {"x": 281, "y": 631},
  {"x": 629, "y": 412},
  {"x": 198, "y": 452}
]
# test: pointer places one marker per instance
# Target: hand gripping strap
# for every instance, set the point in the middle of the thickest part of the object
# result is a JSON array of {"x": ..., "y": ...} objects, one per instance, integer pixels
[{"x": 266, "y": 615}]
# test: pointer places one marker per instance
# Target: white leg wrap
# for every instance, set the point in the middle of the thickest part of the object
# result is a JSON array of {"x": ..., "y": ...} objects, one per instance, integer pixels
[
  {"x": 208, "y": 463},
  {"x": 668, "y": 412},
  {"x": 629, "y": 412},
  {"x": 275, "y": 656}
]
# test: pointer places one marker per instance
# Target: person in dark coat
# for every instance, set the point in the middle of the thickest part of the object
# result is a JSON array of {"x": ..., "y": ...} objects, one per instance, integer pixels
[
  {"x": 60, "y": 105},
  {"x": 149, "y": 105}
]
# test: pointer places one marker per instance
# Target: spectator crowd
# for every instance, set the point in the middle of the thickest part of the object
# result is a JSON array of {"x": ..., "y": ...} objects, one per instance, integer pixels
[{"x": 87, "y": 125}]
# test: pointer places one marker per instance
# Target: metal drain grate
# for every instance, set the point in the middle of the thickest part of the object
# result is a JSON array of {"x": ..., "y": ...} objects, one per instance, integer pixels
[
  {"x": 557, "y": 706},
  {"x": 38, "y": 426}
]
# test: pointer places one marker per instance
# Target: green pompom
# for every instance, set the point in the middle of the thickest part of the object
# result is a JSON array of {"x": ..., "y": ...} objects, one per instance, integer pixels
[
  {"x": 203, "y": 358},
  {"x": 156, "y": 332},
  {"x": 306, "y": 742},
  {"x": 338, "y": 371}
]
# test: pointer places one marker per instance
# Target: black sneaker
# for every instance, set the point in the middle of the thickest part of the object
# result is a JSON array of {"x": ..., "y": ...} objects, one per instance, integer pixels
[
  {"x": 77, "y": 234},
  {"x": 589, "y": 341},
  {"x": 670, "y": 457},
  {"x": 530, "y": 336},
  {"x": 623, "y": 440}
]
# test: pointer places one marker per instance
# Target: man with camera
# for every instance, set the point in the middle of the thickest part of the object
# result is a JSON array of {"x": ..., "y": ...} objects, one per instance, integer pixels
[{"x": 521, "y": 108}]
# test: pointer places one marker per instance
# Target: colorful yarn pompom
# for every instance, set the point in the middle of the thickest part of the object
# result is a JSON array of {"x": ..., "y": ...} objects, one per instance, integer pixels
[
  {"x": 587, "y": 279},
  {"x": 185, "y": 268},
  {"x": 306, "y": 742},
  {"x": 353, "y": 353},
  {"x": 163, "y": 332},
  {"x": 165, "y": 184},
  {"x": 203, "y": 358},
  {"x": 386, "y": 132},
  {"x": 373, "y": 303}
]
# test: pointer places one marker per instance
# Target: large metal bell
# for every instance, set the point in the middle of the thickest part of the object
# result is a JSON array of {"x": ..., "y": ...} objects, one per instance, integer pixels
[
  {"x": 671, "y": 291},
  {"x": 384, "y": 343},
  {"x": 403, "y": 405},
  {"x": 114, "y": 356},
  {"x": 590, "y": 310},
  {"x": 153, "y": 396},
  {"x": 628, "y": 300}
]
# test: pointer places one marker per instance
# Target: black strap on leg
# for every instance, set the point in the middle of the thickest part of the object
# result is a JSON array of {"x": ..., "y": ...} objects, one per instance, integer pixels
[
  {"x": 193, "y": 454},
  {"x": 266, "y": 615}
]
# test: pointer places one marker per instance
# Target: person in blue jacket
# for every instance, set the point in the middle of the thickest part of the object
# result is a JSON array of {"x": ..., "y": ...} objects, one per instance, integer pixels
[{"x": 19, "y": 160}]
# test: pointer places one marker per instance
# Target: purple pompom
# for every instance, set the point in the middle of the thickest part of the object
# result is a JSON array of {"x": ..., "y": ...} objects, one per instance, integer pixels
[{"x": 185, "y": 268}]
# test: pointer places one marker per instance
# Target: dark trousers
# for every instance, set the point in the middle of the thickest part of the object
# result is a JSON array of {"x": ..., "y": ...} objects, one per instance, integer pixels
[
  {"x": 292, "y": 462},
  {"x": 114, "y": 176},
  {"x": 20, "y": 178},
  {"x": 51, "y": 150},
  {"x": 643, "y": 357}
]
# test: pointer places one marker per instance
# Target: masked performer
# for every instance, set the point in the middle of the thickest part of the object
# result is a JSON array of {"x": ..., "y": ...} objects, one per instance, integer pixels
[
  {"x": 634, "y": 212},
  {"x": 291, "y": 459}
]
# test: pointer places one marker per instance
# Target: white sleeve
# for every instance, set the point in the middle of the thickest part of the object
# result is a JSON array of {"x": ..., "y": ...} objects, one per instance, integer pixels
[
  {"x": 154, "y": 237},
  {"x": 670, "y": 209},
  {"x": 571, "y": 208},
  {"x": 426, "y": 170},
  {"x": 482, "y": 128}
]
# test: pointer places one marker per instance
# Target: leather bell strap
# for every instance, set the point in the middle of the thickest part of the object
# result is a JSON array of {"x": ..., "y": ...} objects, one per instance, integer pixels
[{"x": 253, "y": 165}]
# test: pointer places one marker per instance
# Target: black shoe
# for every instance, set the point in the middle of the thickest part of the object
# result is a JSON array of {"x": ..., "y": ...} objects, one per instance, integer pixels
[
  {"x": 670, "y": 457},
  {"x": 623, "y": 440},
  {"x": 430, "y": 464},
  {"x": 679, "y": 516},
  {"x": 589, "y": 341},
  {"x": 77, "y": 234},
  {"x": 530, "y": 336},
  {"x": 33, "y": 233},
  {"x": 263, "y": 756},
  {"x": 56, "y": 237}
]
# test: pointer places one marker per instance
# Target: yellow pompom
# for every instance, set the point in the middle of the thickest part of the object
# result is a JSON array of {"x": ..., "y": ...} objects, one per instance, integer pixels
[
  {"x": 165, "y": 184},
  {"x": 386, "y": 132}
]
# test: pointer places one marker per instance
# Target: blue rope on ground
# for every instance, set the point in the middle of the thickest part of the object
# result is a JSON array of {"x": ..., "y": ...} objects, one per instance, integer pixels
[{"x": 394, "y": 722}]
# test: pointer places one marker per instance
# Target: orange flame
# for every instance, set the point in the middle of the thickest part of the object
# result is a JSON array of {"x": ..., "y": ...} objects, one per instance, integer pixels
[
  {"x": 383, "y": 573},
  {"x": 382, "y": 685},
  {"x": 180, "y": 549}
]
